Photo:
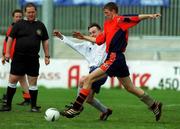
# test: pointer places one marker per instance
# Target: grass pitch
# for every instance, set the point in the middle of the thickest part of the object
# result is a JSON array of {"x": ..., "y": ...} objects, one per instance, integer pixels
[{"x": 128, "y": 111}]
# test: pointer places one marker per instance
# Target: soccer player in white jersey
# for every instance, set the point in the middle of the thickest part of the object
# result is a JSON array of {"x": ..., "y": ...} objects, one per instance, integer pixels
[{"x": 95, "y": 55}]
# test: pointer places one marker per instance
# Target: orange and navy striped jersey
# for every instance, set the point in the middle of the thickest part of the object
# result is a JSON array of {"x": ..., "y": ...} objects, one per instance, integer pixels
[
  {"x": 5, "y": 41},
  {"x": 116, "y": 32}
]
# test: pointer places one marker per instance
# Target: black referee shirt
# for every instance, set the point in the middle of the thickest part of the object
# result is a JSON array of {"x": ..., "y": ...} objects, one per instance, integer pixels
[{"x": 28, "y": 36}]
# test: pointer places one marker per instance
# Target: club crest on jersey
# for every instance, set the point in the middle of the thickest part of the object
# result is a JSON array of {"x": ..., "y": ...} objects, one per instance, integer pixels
[{"x": 39, "y": 32}]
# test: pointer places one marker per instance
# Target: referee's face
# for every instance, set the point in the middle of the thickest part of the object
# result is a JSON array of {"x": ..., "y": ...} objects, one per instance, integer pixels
[{"x": 30, "y": 13}]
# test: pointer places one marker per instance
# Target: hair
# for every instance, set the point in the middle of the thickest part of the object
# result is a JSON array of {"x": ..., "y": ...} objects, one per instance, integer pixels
[
  {"x": 111, "y": 6},
  {"x": 30, "y": 5},
  {"x": 17, "y": 11},
  {"x": 94, "y": 25}
]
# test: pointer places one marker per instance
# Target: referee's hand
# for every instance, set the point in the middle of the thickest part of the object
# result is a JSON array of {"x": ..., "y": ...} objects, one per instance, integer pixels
[{"x": 47, "y": 60}]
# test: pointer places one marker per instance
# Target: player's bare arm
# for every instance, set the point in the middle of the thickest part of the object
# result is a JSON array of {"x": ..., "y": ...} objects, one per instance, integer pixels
[
  {"x": 8, "y": 49},
  {"x": 149, "y": 16},
  {"x": 3, "y": 57},
  {"x": 78, "y": 35}
]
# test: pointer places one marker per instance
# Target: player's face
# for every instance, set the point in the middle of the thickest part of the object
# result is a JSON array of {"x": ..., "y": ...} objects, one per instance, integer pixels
[
  {"x": 108, "y": 14},
  {"x": 30, "y": 13},
  {"x": 94, "y": 31},
  {"x": 17, "y": 16}
]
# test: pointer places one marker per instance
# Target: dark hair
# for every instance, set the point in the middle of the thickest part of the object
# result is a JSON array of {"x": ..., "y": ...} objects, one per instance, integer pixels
[
  {"x": 17, "y": 11},
  {"x": 94, "y": 25},
  {"x": 111, "y": 6},
  {"x": 30, "y": 5}
]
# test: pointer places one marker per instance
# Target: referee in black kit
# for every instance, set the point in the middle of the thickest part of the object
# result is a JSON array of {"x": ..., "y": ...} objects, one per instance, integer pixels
[{"x": 29, "y": 33}]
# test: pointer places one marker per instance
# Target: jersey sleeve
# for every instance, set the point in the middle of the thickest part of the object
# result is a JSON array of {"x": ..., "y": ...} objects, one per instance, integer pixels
[
  {"x": 100, "y": 39},
  {"x": 45, "y": 33},
  {"x": 81, "y": 48},
  {"x": 14, "y": 31},
  {"x": 126, "y": 22},
  {"x": 6, "y": 38}
]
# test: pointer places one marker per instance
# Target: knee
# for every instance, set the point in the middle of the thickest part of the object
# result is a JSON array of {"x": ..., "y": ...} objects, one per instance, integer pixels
[
  {"x": 32, "y": 82},
  {"x": 81, "y": 81},
  {"x": 88, "y": 80}
]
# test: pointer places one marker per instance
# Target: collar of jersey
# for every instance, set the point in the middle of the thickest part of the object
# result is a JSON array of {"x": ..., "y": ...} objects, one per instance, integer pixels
[{"x": 25, "y": 18}]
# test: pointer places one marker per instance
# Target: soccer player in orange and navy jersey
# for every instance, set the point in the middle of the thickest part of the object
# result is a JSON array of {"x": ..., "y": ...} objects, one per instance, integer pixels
[
  {"x": 115, "y": 36},
  {"x": 17, "y": 15}
]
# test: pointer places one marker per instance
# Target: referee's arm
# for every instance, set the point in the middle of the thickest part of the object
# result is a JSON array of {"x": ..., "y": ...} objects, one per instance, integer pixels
[{"x": 45, "y": 45}]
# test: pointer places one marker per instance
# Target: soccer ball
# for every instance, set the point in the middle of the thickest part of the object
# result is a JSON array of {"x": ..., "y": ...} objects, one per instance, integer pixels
[{"x": 52, "y": 114}]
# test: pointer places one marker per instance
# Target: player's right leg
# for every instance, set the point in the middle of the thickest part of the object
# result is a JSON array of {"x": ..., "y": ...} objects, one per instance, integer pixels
[
  {"x": 11, "y": 89},
  {"x": 84, "y": 92},
  {"x": 155, "y": 106},
  {"x": 24, "y": 84}
]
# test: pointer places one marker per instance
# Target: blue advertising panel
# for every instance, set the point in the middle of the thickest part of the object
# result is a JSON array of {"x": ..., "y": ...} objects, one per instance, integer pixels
[{"x": 102, "y": 2}]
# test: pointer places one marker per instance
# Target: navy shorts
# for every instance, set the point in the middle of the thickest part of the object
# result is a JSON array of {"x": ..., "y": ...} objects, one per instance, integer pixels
[
  {"x": 23, "y": 64},
  {"x": 96, "y": 86},
  {"x": 115, "y": 65}
]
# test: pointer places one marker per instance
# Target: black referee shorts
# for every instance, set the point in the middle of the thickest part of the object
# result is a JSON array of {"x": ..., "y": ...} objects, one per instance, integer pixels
[{"x": 25, "y": 64}]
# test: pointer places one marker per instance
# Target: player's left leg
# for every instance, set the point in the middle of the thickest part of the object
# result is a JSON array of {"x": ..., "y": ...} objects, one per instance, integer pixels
[
  {"x": 155, "y": 106},
  {"x": 96, "y": 86},
  {"x": 33, "y": 90},
  {"x": 84, "y": 92},
  {"x": 32, "y": 72},
  {"x": 105, "y": 111}
]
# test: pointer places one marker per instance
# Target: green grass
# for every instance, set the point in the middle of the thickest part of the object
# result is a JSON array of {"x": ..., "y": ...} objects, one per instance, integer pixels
[{"x": 128, "y": 111}]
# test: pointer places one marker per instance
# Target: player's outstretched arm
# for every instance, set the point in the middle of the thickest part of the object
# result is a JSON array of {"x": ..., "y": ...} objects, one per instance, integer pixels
[
  {"x": 78, "y": 35},
  {"x": 149, "y": 16}
]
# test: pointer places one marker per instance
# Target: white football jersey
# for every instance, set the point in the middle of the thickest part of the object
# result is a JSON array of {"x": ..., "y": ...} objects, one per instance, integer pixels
[{"x": 93, "y": 53}]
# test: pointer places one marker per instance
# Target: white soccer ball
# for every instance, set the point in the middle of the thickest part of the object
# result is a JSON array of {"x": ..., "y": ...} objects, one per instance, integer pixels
[{"x": 52, "y": 114}]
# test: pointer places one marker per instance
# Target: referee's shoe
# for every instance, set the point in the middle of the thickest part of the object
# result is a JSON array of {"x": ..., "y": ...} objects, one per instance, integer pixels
[{"x": 5, "y": 108}]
